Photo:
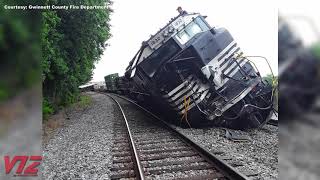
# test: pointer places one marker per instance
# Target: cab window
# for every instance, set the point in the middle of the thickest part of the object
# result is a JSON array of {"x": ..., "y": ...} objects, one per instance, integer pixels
[{"x": 191, "y": 30}]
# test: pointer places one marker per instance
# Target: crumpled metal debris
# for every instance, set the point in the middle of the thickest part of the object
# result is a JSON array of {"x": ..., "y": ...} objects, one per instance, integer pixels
[{"x": 236, "y": 136}]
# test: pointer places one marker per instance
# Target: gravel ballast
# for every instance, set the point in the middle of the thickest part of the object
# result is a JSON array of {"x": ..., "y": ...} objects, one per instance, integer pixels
[
  {"x": 299, "y": 152},
  {"x": 258, "y": 155},
  {"x": 81, "y": 149}
]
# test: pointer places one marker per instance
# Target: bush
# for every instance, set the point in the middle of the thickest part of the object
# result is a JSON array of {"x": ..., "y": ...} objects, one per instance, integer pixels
[
  {"x": 85, "y": 101},
  {"x": 47, "y": 109}
]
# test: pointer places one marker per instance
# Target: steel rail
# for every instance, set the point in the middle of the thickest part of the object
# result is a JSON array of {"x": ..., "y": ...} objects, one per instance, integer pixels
[
  {"x": 138, "y": 168},
  {"x": 221, "y": 165}
]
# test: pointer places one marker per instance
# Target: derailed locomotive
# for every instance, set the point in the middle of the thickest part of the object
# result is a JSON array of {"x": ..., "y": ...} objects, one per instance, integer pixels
[
  {"x": 299, "y": 67},
  {"x": 194, "y": 74}
]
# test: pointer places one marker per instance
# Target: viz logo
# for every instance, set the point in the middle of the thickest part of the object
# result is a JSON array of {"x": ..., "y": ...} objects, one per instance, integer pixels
[{"x": 27, "y": 165}]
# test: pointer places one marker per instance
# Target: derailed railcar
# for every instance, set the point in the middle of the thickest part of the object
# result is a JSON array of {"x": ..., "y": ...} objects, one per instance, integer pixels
[
  {"x": 198, "y": 74},
  {"x": 110, "y": 81}
]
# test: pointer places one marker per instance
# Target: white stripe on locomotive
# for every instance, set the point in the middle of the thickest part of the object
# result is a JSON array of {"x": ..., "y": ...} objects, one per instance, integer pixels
[{"x": 178, "y": 87}]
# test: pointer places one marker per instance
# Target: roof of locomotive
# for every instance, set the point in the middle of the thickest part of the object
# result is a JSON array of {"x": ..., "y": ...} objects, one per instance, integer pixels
[
  {"x": 163, "y": 35},
  {"x": 173, "y": 25}
]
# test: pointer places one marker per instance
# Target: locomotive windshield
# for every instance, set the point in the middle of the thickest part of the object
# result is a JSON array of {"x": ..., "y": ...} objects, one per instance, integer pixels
[
  {"x": 193, "y": 28},
  {"x": 161, "y": 55},
  {"x": 193, "y": 25}
]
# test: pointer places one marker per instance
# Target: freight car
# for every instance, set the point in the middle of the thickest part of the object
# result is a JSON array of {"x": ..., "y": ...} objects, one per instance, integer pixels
[
  {"x": 87, "y": 87},
  {"x": 298, "y": 72},
  {"x": 193, "y": 74},
  {"x": 110, "y": 81}
]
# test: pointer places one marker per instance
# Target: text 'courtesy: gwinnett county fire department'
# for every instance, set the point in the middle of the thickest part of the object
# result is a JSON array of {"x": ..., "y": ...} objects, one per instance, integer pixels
[{"x": 52, "y": 7}]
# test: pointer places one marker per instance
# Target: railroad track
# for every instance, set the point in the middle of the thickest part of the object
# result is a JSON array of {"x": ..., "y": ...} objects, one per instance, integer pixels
[{"x": 145, "y": 147}]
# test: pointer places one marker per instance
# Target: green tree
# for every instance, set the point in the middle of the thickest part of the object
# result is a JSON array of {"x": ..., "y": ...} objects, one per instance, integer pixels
[
  {"x": 316, "y": 50},
  {"x": 19, "y": 48},
  {"x": 274, "y": 82},
  {"x": 72, "y": 42},
  {"x": 269, "y": 79}
]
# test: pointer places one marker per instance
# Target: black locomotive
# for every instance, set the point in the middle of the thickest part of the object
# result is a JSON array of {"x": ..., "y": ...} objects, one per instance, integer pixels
[
  {"x": 194, "y": 74},
  {"x": 298, "y": 73}
]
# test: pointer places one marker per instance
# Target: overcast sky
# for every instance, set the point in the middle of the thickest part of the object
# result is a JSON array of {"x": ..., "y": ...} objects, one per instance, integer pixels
[
  {"x": 303, "y": 17},
  {"x": 253, "y": 24}
]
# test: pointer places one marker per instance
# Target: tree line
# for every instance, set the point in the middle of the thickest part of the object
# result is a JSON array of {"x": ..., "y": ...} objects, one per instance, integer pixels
[
  {"x": 72, "y": 42},
  {"x": 20, "y": 49},
  {"x": 55, "y": 48}
]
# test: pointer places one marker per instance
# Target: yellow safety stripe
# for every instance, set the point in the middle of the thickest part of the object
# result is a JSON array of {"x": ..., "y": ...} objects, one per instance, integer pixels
[{"x": 186, "y": 104}]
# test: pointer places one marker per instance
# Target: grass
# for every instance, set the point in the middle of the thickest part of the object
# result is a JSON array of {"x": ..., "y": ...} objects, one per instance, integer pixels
[
  {"x": 48, "y": 109},
  {"x": 276, "y": 100},
  {"x": 84, "y": 101}
]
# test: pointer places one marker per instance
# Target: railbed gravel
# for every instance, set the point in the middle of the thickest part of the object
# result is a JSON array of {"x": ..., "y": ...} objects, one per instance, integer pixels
[
  {"x": 81, "y": 149},
  {"x": 299, "y": 141},
  {"x": 258, "y": 155},
  {"x": 151, "y": 132}
]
